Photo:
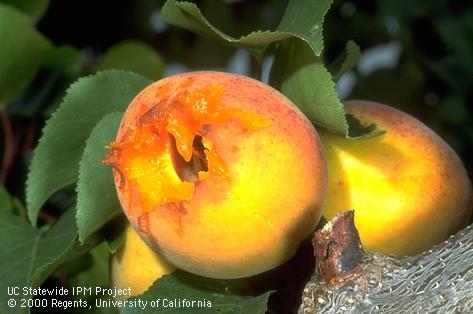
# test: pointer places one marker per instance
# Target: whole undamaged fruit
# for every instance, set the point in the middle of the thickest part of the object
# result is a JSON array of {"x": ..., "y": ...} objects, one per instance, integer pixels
[
  {"x": 409, "y": 189},
  {"x": 221, "y": 174}
]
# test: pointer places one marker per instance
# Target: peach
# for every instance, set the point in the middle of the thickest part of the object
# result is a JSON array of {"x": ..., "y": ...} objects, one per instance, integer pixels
[
  {"x": 409, "y": 189},
  {"x": 222, "y": 175},
  {"x": 136, "y": 266}
]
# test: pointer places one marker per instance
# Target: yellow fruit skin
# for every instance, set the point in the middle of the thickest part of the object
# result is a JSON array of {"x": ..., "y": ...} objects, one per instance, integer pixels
[
  {"x": 277, "y": 185},
  {"x": 135, "y": 265},
  {"x": 409, "y": 189}
]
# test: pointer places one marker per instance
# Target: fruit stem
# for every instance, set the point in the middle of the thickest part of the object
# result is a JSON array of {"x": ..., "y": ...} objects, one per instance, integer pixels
[{"x": 337, "y": 248}]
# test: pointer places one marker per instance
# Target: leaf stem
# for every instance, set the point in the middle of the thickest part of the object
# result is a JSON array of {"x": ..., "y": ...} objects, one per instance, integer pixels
[{"x": 30, "y": 137}]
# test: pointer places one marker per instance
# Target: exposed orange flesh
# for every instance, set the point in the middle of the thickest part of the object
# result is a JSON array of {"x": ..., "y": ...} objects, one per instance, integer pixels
[{"x": 144, "y": 156}]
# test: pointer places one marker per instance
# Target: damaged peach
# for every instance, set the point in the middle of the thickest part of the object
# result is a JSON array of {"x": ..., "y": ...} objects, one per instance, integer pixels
[{"x": 219, "y": 173}]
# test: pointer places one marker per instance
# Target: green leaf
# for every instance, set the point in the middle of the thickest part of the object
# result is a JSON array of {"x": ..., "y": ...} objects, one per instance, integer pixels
[
  {"x": 188, "y": 16},
  {"x": 23, "y": 50},
  {"x": 55, "y": 162},
  {"x": 6, "y": 203},
  {"x": 358, "y": 130},
  {"x": 97, "y": 201},
  {"x": 81, "y": 250},
  {"x": 222, "y": 296},
  {"x": 19, "y": 207},
  {"x": 347, "y": 60},
  {"x": 34, "y": 8},
  {"x": 27, "y": 256},
  {"x": 135, "y": 56},
  {"x": 303, "y": 78},
  {"x": 302, "y": 19}
]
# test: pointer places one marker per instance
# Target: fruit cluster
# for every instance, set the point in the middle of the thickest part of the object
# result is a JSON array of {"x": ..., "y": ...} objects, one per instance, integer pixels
[{"x": 223, "y": 176}]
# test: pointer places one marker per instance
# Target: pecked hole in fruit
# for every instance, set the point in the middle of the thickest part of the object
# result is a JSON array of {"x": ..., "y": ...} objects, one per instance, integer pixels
[
  {"x": 189, "y": 170},
  {"x": 160, "y": 156}
]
